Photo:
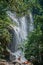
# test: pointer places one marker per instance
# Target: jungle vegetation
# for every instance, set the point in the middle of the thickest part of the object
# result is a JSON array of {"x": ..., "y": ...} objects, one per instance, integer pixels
[{"x": 34, "y": 43}]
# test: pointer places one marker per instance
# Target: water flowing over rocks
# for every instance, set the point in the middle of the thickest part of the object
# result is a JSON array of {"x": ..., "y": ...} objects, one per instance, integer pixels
[{"x": 20, "y": 30}]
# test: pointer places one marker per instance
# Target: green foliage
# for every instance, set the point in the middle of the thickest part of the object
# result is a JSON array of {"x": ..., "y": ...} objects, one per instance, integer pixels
[
  {"x": 19, "y": 6},
  {"x": 5, "y": 35},
  {"x": 22, "y": 6},
  {"x": 34, "y": 45}
]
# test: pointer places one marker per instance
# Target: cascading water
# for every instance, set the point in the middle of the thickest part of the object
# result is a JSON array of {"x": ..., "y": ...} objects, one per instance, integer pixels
[
  {"x": 20, "y": 33},
  {"x": 31, "y": 27}
]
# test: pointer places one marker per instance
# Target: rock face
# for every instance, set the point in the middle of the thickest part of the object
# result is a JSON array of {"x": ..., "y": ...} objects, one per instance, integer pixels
[
  {"x": 23, "y": 64},
  {"x": 4, "y": 62},
  {"x": 7, "y": 63}
]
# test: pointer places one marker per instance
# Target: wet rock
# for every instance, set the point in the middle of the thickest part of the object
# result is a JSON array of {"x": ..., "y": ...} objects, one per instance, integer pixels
[{"x": 4, "y": 63}]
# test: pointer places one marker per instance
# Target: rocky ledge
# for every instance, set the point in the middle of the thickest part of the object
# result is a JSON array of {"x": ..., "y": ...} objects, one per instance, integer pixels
[{"x": 4, "y": 62}]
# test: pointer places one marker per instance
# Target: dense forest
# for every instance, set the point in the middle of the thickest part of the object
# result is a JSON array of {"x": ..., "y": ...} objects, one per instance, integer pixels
[{"x": 34, "y": 42}]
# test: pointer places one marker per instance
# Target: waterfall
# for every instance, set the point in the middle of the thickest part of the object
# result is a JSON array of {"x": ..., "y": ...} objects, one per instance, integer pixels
[
  {"x": 20, "y": 32},
  {"x": 20, "y": 29},
  {"x": 31, "y": 27}
]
